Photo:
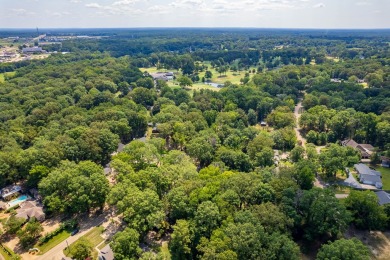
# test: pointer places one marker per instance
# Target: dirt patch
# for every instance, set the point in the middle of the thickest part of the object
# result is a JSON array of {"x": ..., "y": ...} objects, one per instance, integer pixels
[{"x": 378, "y": 242}]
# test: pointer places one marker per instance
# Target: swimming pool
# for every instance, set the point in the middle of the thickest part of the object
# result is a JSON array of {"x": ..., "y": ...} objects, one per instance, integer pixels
[{"x": 17, "y": 201}]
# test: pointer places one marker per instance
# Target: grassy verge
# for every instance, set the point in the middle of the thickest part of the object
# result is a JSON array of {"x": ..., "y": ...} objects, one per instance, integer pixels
[
  {"x": 385, "y": 176},
  {"x": 93, "y": 237},
  {"x": 53, "y": 242},
  {"x": 5, "y": 255}
]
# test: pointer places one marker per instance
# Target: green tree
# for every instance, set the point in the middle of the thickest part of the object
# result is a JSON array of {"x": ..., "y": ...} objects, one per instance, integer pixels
[
  {"x": 180, "y": 244},
  {"x": 143, "y": 96},
  {"x": 322, "y": 214},
  {"x": 184, "y": 81},
  {"x": 142, "y": 210},
  {"x": 125, "y": 245},
  {"x": 297, "y": 153},
  {"x": 74, "y": 187},
  {"x": 81, "y": 249},
  {"x": 208, "y": 75},
  {"x": 30, "y": 232},
  {"x": 281, "y": 117},
  {"x": 207, "y": 218},
  {"x": 346, "y": 249},
  {"x": 366, "y": 212},
  {"x": 13, "y": 224}
]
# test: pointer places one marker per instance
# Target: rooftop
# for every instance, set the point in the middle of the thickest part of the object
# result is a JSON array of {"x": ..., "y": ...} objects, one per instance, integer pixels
[
  {"x": 365, "y": 170},
  {"x": 384, "y": 197}
]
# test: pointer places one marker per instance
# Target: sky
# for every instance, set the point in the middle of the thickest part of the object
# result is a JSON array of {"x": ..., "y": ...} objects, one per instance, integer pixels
[{"x": 324, "y": 14}]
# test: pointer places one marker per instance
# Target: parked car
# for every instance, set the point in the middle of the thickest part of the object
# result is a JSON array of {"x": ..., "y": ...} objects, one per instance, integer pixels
[{"x": 74, "y": 232}]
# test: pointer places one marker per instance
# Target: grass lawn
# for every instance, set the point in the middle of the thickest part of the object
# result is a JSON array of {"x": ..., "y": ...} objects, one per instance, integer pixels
[
  {"x": 4, "y": 254},
  {"x": 1, "y": 77},
  {"x": 53, "y": 242},
  {"x": 385, "y": 177},
  {"x": 93, "y": 237}
]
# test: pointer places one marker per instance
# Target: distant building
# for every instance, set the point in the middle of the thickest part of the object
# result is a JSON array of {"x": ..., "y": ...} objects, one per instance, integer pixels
[
  {"x": 166, "y": 76},
  {"x": 335, "y": 80},
  {"x": 369, "y": 176},
  {"x": 31, "y": 50},
  {"x": 365, "y": 149}
]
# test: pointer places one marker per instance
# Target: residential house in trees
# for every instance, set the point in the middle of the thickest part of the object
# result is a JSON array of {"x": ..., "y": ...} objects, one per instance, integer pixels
[{"x": 366, "y": 150}]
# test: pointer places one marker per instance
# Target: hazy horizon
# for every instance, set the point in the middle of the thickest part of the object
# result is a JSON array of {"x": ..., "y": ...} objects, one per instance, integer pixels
[{"x": 267, "y": 14}]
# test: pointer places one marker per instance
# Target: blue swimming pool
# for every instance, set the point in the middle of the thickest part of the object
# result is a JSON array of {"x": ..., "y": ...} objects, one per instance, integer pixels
[{"x": 17, "y": 201}]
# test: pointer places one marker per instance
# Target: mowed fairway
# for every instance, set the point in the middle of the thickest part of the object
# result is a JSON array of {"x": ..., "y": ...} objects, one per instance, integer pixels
[{"x": 232, "y": 76}]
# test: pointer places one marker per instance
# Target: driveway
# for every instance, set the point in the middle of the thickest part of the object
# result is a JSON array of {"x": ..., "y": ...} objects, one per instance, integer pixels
[
  {"x": 297, "y": 111},
  {"x": 351, "y": 182}
]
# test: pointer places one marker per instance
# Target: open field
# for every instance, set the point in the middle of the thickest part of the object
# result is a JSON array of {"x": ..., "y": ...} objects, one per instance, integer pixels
[
  {"x": 231, "y": 76},
  {"x": 378, "y": 242}
]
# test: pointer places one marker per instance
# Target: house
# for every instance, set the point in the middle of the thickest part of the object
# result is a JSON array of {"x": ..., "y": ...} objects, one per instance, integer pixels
[
  {"x": 366, "y": 150},
  {"x": 30, "y": 209},
  {"x": 8, "y": 192},
  {"x": 166, "y": 76},
  {"x": 369, "y": 176},
  {"x": 383, "y": 197},
  {"x": 263, "y": 123},
  {"x": 106, "y": 253},
  {"x": 385, "y": 161},
  {"x": 335, "y": 80},
  {"x": 30, "y": 50}
]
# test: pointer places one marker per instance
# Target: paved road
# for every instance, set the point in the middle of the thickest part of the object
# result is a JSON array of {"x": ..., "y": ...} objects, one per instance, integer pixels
[{"x": 56, "y": 252}]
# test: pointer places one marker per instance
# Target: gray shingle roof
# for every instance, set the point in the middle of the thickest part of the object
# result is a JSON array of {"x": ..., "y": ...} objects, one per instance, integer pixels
[
  {"x": 363, "y": 169},
  {"x": 384, "y": 197}
]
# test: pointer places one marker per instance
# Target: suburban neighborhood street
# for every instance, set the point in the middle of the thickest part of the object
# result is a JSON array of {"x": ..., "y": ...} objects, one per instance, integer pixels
[{"x": 56, "y": 253}]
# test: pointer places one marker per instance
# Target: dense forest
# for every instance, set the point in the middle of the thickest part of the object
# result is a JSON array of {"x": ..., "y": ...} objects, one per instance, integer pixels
[{"x": 199, "y": 167}]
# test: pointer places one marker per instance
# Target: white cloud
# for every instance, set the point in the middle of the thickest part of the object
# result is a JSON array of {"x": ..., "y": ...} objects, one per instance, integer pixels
[
  {"x": 320, "y": 5},
  {"x": 124, "y": 2},
  {"x": 94, "y": 5},
  {"x": 22, "y": 12},
  {"x": 363, "y": 3},
  {"x": 75, "y": 1},
  {"x": 117, "y": 8}
]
